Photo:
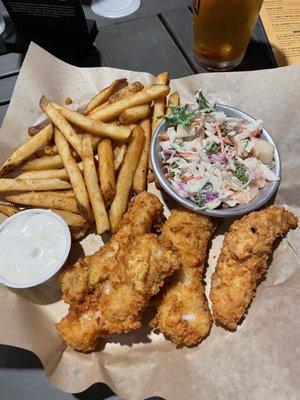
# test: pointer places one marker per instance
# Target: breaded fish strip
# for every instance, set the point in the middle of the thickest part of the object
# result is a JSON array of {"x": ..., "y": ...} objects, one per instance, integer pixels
[
  {"x": 135, "y": 274},
  {"x": 144, "y": 214},
  {"x": 243, "y": 261},
  {"x": 182, "y": 313}
]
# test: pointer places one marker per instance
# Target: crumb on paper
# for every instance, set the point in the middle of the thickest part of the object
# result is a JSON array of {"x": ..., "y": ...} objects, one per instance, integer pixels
[
  {"x": 151, "y": 176},
  {"x": 68, "y": 100}
]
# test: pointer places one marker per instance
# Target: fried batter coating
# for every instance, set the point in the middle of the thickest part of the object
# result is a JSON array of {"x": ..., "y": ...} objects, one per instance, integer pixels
[
  {"x": 243, "y": 261},
  {"x": 182, "y": 312},
  {"x": 134, "y": 274},
  {"x": 145, "y": 212}
]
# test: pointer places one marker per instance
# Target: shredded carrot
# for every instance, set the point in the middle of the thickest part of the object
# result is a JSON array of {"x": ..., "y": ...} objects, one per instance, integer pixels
[
  {"x": 228, "y": 140},
  {"x": 186, "y": 154},
  {"x": 256, "y": 133},
  {"x": 163, "y": 137},
  {"x": 186, "y": 178}
]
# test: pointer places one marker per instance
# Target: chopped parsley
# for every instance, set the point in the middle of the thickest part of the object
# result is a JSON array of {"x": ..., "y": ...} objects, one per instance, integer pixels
[
  {"x": 201, "y": 199},
  {"x": 240, "y": 171},
  {"x": 202, "y": 194},
  {"x": 225, "y": 130},
  {"x": 212, "y": 148},
  {"x": 178, "y": 141},
  {"x": 207, "y": 187},
  {"x": 204, "y": 104},
  {"x": 180, "y": 116},
  {"x": 173, "y": 166}
]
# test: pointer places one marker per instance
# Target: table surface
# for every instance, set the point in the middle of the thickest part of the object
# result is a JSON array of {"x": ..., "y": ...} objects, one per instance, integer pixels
[{"x": 157, "y": 37}]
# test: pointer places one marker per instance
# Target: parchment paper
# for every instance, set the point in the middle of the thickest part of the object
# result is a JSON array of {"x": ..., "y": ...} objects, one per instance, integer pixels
[{"x": 256, "y": 362}]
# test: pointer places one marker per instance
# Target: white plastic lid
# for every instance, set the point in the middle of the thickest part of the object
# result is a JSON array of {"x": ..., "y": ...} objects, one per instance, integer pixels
[
  {"x": 115, "y": 8},
  {"x": 51, "y": 272}
]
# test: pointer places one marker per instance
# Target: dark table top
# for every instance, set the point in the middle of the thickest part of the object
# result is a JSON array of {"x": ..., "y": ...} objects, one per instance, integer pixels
[{"x": 157, "y": 37}]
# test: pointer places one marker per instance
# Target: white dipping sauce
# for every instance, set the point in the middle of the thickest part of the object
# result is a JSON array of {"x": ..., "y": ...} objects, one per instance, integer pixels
[{"x": 31, "y": 246}]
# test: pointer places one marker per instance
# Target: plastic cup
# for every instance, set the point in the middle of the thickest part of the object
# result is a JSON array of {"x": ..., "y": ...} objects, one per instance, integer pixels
[{"x": 52, "y": 271}]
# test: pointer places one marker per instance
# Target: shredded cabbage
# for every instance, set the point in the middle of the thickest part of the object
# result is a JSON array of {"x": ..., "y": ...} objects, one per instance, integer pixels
[{"x": 208, "y": 160}]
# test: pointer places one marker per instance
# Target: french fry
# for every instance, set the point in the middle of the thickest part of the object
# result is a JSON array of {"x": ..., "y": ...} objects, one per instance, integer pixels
[
  {"x": 134, "y": 114},
  {"x": 104, "y": 95},
  {"x": 140, "y": 176},
  {"x": 92, "y": 184},
  {"x": 8, "y": 209},
  {"x": 62, "y": 125},
  {"x": 125, "y": 177},
  {"x": 136, "y": 99},
  {"x": 106, "y": 170},
  {"x": 47, "y": 162},
  {"x": 77, "y": 224},
  {"x": 126, "y": 91},
  {"x": 50, "y": 150},
  {"x": 173, "y": 101},
  {"x": 7, "y": 185},
  {"x": 72, "y": 219},
  {"x": 33, "y": 130},
  {"x": 45, "y": 174},
  {"x": 78, "y": 233},
  {"x": 132, "y": 126},
  {"x": 75, "y": 176},
  {"x": 26, "y": 150},
  {"x": 67, "y": 193},
  {"x": 103, "y": 105},
  {"x": 95, "y": 140},
  {"x": 159, "y": 103},
  {"x": 48, "y": 173},
  {"x": 119, "y": 154},
  {"x": 94, "y": 127},
  {"x": 45, "y": 200}
]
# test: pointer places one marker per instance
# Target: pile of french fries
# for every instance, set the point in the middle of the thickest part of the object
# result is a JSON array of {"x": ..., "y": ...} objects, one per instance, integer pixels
[{"x": 85, "y": 165}]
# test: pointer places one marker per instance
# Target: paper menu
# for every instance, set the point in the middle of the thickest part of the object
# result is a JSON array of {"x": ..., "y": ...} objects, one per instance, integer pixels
[{"x": 281, "y": 20}]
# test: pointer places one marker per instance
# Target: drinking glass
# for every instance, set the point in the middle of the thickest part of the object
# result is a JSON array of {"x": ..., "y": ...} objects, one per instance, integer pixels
[{"x": 222, "y": 30}]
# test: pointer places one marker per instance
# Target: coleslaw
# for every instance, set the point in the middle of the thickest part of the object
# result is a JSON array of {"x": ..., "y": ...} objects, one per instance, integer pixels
[{"x": 213, "y": 159}]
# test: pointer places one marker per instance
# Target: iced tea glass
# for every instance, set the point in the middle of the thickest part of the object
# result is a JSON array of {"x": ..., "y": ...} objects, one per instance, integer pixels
[{"x": 222, "y": 30}]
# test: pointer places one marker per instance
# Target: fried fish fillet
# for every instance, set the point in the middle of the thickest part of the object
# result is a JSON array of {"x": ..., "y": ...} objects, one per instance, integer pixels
[
  {"x": 144, "y": 214},
  {"x": 128, "y": 280},
  {"x": 243, "y": 261},
  {"x": 182, "y": 312}
]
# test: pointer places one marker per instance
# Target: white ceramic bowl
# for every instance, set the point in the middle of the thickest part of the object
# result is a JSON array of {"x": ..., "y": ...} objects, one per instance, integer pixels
[
  {"x": 49, "y": 273},
  {"x": 263, "y": 196}
]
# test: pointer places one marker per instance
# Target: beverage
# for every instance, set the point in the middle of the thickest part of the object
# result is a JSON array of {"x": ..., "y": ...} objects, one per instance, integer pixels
[{"x": 222, "y": 30}]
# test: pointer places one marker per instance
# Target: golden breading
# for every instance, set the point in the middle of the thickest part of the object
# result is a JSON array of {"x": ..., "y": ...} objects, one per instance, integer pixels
[
  {"x": 182, "y": 312},
  {"x": 145, "y": 212},
  {"x": 133, "y": 275},
  {"x": 243, "y": 261}
]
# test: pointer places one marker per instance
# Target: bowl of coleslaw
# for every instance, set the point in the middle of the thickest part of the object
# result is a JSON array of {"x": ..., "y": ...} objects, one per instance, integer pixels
[{"x": 215, "y": 159}]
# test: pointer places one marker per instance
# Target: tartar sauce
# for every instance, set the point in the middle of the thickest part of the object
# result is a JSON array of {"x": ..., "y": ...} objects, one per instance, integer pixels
[{"x": 32, "y": 245}]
